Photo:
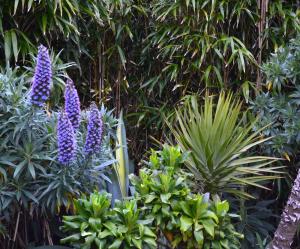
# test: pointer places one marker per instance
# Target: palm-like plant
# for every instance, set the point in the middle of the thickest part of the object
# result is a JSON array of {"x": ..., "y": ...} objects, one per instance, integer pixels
[{"x": 219, "y": 145}]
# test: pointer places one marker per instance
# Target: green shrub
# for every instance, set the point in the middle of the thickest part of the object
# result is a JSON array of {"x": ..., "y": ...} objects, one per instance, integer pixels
[
  {"x": 32, "y": 181},
  {"x": 161, "y": 189},
  {"x": 96, "y": 225},
  {"x": 162, "y": 203},
  {"x": 185, "y": 219},
  {"x": 206, "y": 224},
  {"x": 280, "y": 106}
]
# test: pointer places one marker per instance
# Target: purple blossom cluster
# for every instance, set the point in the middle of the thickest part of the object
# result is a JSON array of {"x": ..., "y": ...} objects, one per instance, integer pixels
[
  {"x": 66, "y": 139},
  {"x": 69, "y": 119},
  {"x": 94, "y": 131},
  {"x": 41, "y": 83},
  {"x": 72, "y": 104}
]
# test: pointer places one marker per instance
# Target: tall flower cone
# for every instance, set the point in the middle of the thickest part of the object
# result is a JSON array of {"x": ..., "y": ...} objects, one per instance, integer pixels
[
  {"x": 94, "y": 131},
  {"x": 66, "y": 139},
  {"x": 72, "y": 104},
  {"x": 41, "y": 83}
]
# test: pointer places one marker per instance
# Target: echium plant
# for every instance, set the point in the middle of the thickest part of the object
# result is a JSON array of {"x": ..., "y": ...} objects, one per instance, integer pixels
[
  {"x": 94, "y": 131},
  {"x": 36, "y": 152},
  {"x": 72, "y": 104},
  {"x": 42, "y": 78},
  {"x": 66, "y": 139}
]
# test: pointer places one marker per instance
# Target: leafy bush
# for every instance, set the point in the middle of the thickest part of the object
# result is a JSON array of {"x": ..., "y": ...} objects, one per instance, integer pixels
[
  {"x": 95, "y": 224},
  {"x": 161, "y": 188},
  {"x": 280, "y": 106},
  {"x": 195, "y": 51},
  {"x": 163, "y": 202},
  {"x": 185, "y": 219},
  {"x": 257, "y": 219},
  {"x": 207, "y": 224},
  {"x": 218, "y": 143},
  {"x": 33, "y": 183}
]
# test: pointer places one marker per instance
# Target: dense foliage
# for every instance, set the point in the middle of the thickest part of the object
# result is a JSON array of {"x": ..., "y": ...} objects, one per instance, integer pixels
[
  {"x": 163, "y": 204},
  {"x": 187, "y": 220},
  {"x": 218, "y": 142},
  {"x": 34, "y": 184},
  {"x": 158, "y": 49},
  {"x": 96, "y": 224},
  {"x": 162, "y": 62},
  {"x": 280, "y": 105}
]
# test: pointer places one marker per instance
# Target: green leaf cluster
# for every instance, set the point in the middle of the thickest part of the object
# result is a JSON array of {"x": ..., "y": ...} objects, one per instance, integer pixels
[
  {"x": 29, "y": 169},
  {"x": 206, "y": 224},
  {"x": 219, "y": 142},
  {"x": 280, "y": 104},
  {"x": 32, "y": 182},
  {"x": 96, "y": 225},
  {"x": 186, "y": 220}
]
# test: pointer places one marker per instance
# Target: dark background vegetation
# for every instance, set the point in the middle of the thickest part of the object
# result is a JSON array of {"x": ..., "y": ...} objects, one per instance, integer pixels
[{"x": 144, "y": 56}]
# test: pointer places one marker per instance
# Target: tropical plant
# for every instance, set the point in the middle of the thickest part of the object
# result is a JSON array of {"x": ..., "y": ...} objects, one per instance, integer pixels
[
  {"x": 160, "y": 189},
  {"x": 122, "y": 166},
  {"x": 208, "y": 224},
  {"x": 96, "y": 225},
  {"x": 256, "y": 221},
  {"x": 38, "y": 178},
  {"x": 184, "y": 219},
  {"x": 280, "y": 105},
  {"x": 218, "y": 143},
  {"x": 93, "y": 33},
  {"x": 119, "y": 177}
]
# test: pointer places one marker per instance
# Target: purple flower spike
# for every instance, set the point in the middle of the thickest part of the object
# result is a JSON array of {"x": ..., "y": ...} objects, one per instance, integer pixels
[
  {"x": 72, "y": 104},
  {"x": 42, "y": 78},
  {"x": 66, "y": 139},
  {"x": 94, "y": 131}
]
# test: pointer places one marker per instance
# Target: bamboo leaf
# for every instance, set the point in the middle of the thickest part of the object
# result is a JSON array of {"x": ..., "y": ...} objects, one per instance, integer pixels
[
  {"x": 15, "y": 44},
  {"x": 122, "y": 56},
  {"x": 16, "y": 6},
  {"x": 7, "y": 45}
]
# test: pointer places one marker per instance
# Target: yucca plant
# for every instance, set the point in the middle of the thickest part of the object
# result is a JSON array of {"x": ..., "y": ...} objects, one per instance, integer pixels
[{"x": 219, "y": 144}]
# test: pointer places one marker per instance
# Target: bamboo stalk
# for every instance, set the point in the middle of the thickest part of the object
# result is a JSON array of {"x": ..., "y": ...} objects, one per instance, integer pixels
[{"x": 263, "y": 7}]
